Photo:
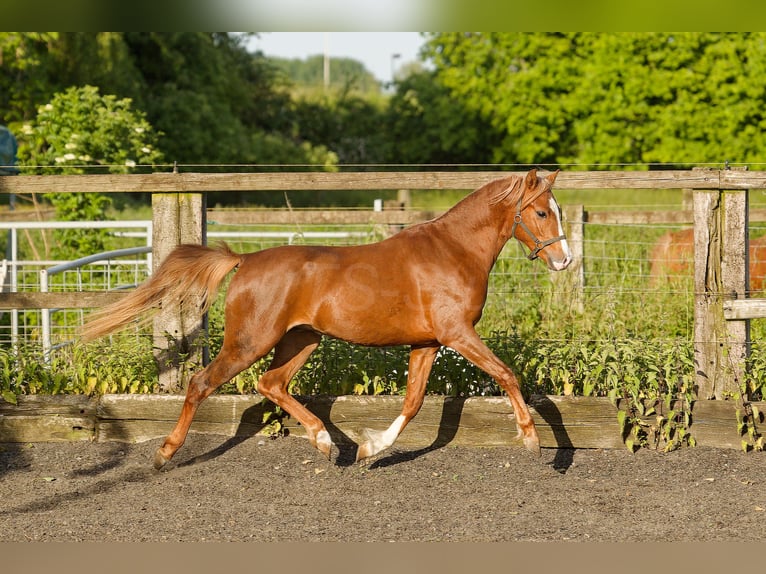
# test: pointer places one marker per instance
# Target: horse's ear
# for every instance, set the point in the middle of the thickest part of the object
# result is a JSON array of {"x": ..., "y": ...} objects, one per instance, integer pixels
[
  {"x": 531, "y": 179},
  {"x": 551, "y": 177}
]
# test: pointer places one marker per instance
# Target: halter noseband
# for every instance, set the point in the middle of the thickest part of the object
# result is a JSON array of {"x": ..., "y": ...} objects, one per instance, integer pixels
[{"x": 517, "y": 221}]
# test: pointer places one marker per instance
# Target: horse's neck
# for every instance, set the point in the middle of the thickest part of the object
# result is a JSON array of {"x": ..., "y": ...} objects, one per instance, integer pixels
[{"x": 479, "y": 227}]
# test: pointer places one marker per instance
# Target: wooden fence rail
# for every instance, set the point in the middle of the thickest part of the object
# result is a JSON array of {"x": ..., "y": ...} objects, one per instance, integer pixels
[
  {"x": 225, "y": 182},
  {"x": 562, "y": 422},
  {"x": 720, "y": 215}
]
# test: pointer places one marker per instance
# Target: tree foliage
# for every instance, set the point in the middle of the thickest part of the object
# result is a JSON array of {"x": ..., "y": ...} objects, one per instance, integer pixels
[
  {"x": 25, "y": 78},
  {"x": 77, "y": 129},
  {"x": 590, "y": 99},
  {"x": 344, "y": 73},
  {"x": 214, "y": 101},
  {"x": 426, "y": 125},
  {"x": 343, "y": 121},
  {"x": 599, "y": 99}
]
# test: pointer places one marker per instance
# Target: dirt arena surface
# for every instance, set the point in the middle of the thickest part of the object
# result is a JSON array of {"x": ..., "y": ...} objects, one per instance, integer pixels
[{"x": 259, "y": 489}]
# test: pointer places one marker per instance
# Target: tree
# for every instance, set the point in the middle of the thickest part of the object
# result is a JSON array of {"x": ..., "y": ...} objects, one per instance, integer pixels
[
  {"x": 205, "y": 92},
  {"x": 599, "y": 99},
  {"x": 78, "y": 130},
  {"x": 515, "y": 82},
  {"x": 345, "y": 122},
  {"x": 25, "y": 73},
  {"x": 426, "y": 125},
  {"x": 213, "y": 100},
  {"x": 345, "y": 73}
]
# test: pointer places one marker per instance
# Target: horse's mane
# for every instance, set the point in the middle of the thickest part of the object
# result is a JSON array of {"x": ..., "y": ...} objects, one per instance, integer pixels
[
  {"x": 493, "y": 193},
  {"x": 512, "y": 188},
  {"x": 509, "y": 187}
]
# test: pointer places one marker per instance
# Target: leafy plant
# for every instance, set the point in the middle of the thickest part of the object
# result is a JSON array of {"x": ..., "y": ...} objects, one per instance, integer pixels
[
  {"x": 76, "y": 130},
  {"x": 749, "y": 418}
]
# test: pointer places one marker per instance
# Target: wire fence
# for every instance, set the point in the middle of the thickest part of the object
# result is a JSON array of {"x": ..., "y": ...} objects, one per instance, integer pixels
[{"x": 622, "y": 292}]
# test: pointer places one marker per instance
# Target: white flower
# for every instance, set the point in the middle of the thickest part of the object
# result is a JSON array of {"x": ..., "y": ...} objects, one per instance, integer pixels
[
  {"x": 48, "y": 107},
  {"x": 27, "y": 130},
  {"x": 146, "y": 149},
  {"x": 60, "y": 160},
  {"x": 139, "y": 130},
  {"x": 85, "y": 158},
  {"x": 70, "y": 145},
  {"x": 130, "y": 163},
  {"x": 69, "y": 156}
]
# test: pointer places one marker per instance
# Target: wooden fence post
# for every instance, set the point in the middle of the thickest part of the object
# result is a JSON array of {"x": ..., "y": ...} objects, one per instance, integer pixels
[
  {"x": 572, "y": 281},
  {"x": 178, "y": 334},
  {"x": 720, "y": 272},
  {"x": 735, "y": 265}
]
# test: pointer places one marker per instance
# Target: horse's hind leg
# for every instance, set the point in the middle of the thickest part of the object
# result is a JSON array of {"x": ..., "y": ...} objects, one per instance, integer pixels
[
  {"x": 421, "y": 361},
  {"x": 229, "y": 362},
  {"x": 289, "y": 356}
]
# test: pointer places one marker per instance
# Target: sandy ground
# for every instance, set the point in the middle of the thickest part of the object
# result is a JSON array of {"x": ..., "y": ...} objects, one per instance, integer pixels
[{"x": 243, "y": 489}]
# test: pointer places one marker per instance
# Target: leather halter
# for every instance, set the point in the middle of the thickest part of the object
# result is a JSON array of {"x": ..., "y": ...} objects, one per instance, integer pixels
[{"x": 517, "y": 221}]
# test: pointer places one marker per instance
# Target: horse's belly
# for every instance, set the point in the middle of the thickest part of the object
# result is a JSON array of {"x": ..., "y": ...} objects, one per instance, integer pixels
[{"x": 374, "y": 325}]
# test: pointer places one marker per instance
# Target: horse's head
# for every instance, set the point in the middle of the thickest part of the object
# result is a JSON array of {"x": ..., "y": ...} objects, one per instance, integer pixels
[{"x": 537, "y": 221}]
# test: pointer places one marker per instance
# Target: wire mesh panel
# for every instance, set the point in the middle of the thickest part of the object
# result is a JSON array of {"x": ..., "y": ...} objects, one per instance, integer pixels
[{"x": 26, "y": 246}]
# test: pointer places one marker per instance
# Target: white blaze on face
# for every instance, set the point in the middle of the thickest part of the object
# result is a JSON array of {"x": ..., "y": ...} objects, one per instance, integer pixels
[{"x": 564, "y": 245}]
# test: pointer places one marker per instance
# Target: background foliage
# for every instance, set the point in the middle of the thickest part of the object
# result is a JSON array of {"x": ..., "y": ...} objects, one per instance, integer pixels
[
  {"x": 598, "y": 99},
  {"x": 78, "y": 128},
  {"x": 592, "y": 99}
]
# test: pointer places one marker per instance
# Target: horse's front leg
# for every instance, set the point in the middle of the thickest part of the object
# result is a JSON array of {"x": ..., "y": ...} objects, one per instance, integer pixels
[
  {"x": 473, "y": 348},
  {"x": 421, "y": 361}
]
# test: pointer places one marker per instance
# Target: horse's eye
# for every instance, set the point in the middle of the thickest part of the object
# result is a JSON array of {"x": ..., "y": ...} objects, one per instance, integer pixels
[{"x": 542, "y": 214}]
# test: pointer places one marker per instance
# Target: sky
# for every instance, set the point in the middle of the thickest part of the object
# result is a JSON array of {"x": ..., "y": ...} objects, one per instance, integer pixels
[{"x": 375, "y": 50}]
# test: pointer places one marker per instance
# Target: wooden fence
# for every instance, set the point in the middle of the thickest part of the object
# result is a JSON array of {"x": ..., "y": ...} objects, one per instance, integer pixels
[
  {"x": 720, "y": 215},
  {"x": 562, "y": 422}
]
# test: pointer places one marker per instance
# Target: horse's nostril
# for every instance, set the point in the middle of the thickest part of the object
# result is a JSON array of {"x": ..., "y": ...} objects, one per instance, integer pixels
[{"x": 563, "y": 264}]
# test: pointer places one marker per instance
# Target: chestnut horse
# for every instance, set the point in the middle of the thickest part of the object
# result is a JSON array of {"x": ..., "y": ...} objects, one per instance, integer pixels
[
  {"x": 673, "y": 257},
  {"x": 425, "y": 287}
]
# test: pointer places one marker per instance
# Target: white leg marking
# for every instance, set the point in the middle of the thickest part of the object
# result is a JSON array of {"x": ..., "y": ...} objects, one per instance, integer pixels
[
  {"x": 379, "y": 441},
  {"x": 324, "y": 440},
  {"x": 392, "y": 432}
]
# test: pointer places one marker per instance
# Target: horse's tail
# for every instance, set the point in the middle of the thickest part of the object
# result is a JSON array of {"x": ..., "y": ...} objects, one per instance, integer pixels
[{"x": 191, "y": 274}]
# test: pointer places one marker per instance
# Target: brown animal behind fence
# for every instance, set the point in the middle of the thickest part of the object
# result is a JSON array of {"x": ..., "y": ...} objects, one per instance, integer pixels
[{"x": 672, "y": 259}]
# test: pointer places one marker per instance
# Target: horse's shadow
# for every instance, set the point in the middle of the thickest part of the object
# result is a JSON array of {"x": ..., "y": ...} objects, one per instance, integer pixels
[
  {"x": 450, "y": 421},
  {"x": 251, "y": 424},
  {"x": 551, "y": 414}
]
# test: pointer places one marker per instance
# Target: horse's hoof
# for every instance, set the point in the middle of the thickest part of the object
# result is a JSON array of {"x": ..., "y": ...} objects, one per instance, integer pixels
[
  {"x": 159, "y": 460},
  {"x": 363, "y": 451},
  {"x": 532, "y": 444},
  {"x": 324, "y": 444}
]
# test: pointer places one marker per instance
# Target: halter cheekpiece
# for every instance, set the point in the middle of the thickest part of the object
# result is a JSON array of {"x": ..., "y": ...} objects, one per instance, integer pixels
[{"x": 517, "y": 221}]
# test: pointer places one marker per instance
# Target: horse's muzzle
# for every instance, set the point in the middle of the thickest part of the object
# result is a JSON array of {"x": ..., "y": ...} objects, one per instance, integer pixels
[{"x": 560, "y": 265}]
